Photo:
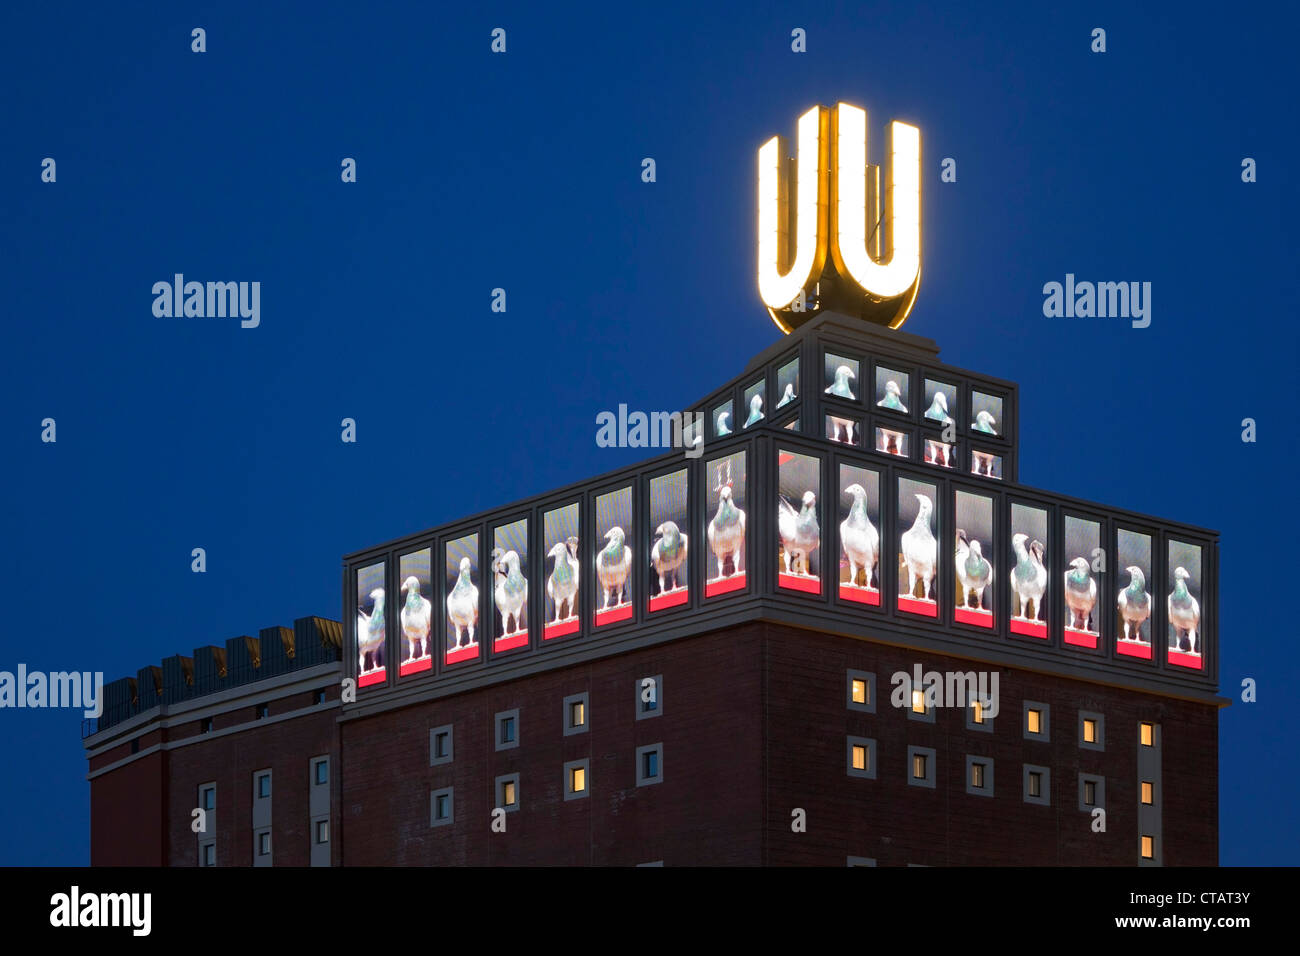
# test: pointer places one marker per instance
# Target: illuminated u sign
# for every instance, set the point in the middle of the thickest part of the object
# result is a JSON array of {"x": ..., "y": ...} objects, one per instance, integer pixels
[{"x": 829, "y": 246}]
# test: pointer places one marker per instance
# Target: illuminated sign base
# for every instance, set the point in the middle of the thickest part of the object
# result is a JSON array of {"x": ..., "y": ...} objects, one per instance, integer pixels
[
  {"x": 619, "y": 612},
  {"x": 1133, "y": 649},
  {"x": 800, "y": 582},
  {"x": 467, "y": 653},
  {"x": 511, "y": 641},
  {"x": 372, "y": 677},
  {"x": 415, "y": 667},
  {"x": 1026, "y": 628},
  {"x": 1185, "y": 659},
  {"x": 973, "y": 616},
  {"x": 735, "y": 582},
  {"x": 673, "y": 598},
  {"x": 560, "y": 629},
  {"x": 1081, "y": 638},
  {"x": 860, "y": 595},
  {"x": 922, "y": 606}
]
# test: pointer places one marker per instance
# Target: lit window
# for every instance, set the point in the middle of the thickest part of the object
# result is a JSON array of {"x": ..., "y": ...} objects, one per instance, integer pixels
[
  {"x": 1148, "y": 737},
  {"x": 977, "y": 775},
  {"x": 322, "y": 772},
  {"x": 577, "y": 713},
  {"x": 1148, "y": 792},
  {"x": 574, "y": 714},
  {"x": 263, "y": 786},
  {"x": 1148, "y": 848},
  {"x": 859, "y": 757},
  {"x": 918, "y": 702},
  {"x": 918, "y": 766},
  {"x": 508, "y": 794},
  {"x": 322, "y": 831},
  {"x": 578, "y": 779},
  {"x": 977, "y": 714},
  {"x": 1090, "y": 793},
  {"x": 861, "y": 761},
  {"x": 1035, "y": 722},
  {"x": 1090, "y": 731},
  {"x": 859, "y": 691}
]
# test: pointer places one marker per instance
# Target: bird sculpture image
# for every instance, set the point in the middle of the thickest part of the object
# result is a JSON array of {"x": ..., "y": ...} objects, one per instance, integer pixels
[
  {"x": 1134, "y": 604},
  {"x": 417, "y": 618},
  {"x": 462, "y": 604},
  {"x": 612, "y": 566},
  {"x": 920, "y": 550},
  {"x": 667, "y": 554},
  {"x": 842, "y": 430},
  {"x": 973, "y": 571},
  {"x": 562, "y": 585},
  {"x": 981, "y": 463},
  {"x": 787, "y": 396},
  {"x": 1080, "y": 594},
  {"x": 1029, "y": 576},
  {"x": 893, "y": 397},
  {"x": 727, "y": 533},
  {"x": 984, "y": 423},
  {"x": 511, "y": 592},
  {"x": 1184, "y": 613},
  {"x": 800, "y": 533},
  {"x": 755, "y": 410},
  {"x": 936, "y": 453},
  {"x": 859, "y": 537},
  {"x": 938, "y": 410},
  {"x": 370, "y": 631},
  {"x": 723, "y": 427},
  {"x": 840, "y": 387}
]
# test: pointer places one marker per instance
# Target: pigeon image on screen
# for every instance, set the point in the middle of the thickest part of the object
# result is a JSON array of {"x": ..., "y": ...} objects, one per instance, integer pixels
[
  {"x": 614, "y": 558},
  {"x": 1080, "y": 595},
  {"x": 787, "y": 383},
  {"x": 1029, "y": 577},
  {"x": 800, "y": 533},
  {"x": 973, "y": 559},
  {"x": 987, "y": 412},
  {"x": 841, "y": 374},
  {"x": 918, "y": 550},
  {"x": 974, "y": 572},
  {"x": 722, "y": 420},
  {"x": 891, "y": 442},
  {"x": 1183, "y": 605},
  {"x": 725, "y": 530},
  {"x": 613, "y": 564},
  {"x": 462, "y": 607},
  {"x": 417, "y": 619},
  {"x": 1084, "y": 576},
  {"x": 843, "y": 430},
  {"x": 939, "y": 453},
  {"x": 669, "y": 545},
  {"x": 859, "y": 537},
  {"x": 753, "y": 403},
  {"x": 562, "y": 583},
  {"x": 371, "y": 628},
  {"x": 941, "y": 400},
  {"x": 510, "y": 590},
  {"x": 1133, "y": 602},
  {"x": 891, "y": 389}
]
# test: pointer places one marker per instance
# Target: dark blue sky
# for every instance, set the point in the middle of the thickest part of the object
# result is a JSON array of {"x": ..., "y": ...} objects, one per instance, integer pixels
[{"x": 522, "y": 171}]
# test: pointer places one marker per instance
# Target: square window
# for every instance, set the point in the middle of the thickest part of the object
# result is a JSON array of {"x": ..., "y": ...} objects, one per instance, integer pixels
[
  {"x": 1092, "y": 731},
  {"x": 321, "y": 772},
  {"x": 442, "y": 807},
  {"x": 1148, "y": 734},
  {"x": 263, "y": 786},
  {"x": 979, "y": 776},
  {"x": 264, "y": 843},
  {"x": 1148, "y": 792},
  {"x": 920, "y": 766},
  {"x": 507, "y": 732},
  {"x": 1037, "y": 785},
  {"x": 205, "y": 725},
  {"x": 575, "y": 714},
  {"x": 263, "y": 711},
  {"x": 208, "y": 797},
  {"x": 1038, "y": 720},
  {"x": 322, "y": 831},
  {"x": 861, "y": 691},
  {"x": 862, "y": 757},
  {"x": 649, "y": 764},
  {"x": 1148, "y": 848},
  {"x": 577, "y": 779},
  {"x": 440, "y": 745},
  {"x": 320, "y": 696},
  {"x": 649, "y": 696},
  {"x": 1092, "y": 792},
  {"x": 208, "y": 854},
  {"x": 507, "y": 792},
  {"x": 841, "y": 376},
  {"x": 978, "y": 716}
]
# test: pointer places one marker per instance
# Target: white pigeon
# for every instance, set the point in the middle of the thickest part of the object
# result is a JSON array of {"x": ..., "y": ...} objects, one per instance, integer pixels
[
  {"x": 417, "y": 617},
  {"x": 727, "y": 532},
  {"x": 1029, "y": 576},
  {"x": 859, "y": 537},
  {"x": 1184, "y": 612},
  {"x": 613, "y": 563},
  {"x": 723, "y": 427},
  {"x": 984, "y": 422},
  {"x": 920, "y": 550},
  {"x": 840, "y": 387},
  {"x": 511, "y": 591},
  {"x": 755, "y": 410},
  {"x": 370, "y": 630},
  {"x": 938, "y": 410},
  {"x": 800, "y": 533},
  {"x": 1134, "y": 604},
  {"x": 462, "y": 603},
  {"x": 1080, "y": 594},
  {"x": 668, "y": 553},
  {"x": 973, "y": 571},
  {"x": 562, "y": 585},
  {"x": 787, "y": 396},
  {"x": 893, "y": 397}
]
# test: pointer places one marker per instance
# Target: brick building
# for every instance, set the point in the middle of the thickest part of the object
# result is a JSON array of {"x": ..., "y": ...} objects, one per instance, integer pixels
[{"x": 753, "y": 703}]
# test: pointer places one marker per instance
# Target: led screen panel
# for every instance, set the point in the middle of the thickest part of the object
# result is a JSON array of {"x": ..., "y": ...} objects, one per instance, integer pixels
[
  {"x": 1184, "y": 604},
  {"x": 462, "y": 601},
  {"x": 918, "y": 552},
  {"x": 892, "y": 389},
  {"x": 787, "y": 383},
  {"x": 669, "y": 542},
  {"x": 371, "y": 629},
  {"x": 1028, "y": 575},
  {"x": 859, "y": 535},
  {"x": 727, "y": 501},
  {"x": 724, "y": 420},
  {"x": 841, "y": 376},
  {"x": 1085, "y": 578},
  {"x": 940, "y": 453},
  {"x": 986, "y": 411},
  {"x": 509, "y": 597},
  {"x": 975, "y": 561},
  {"x": 562, "y": 571},
  {"x": 754, "y": 404},
  {"x": 893, "y": 442},
  {"x": 415, "y": 571},
  {"x": 798, "y": 525},
  {"x": 614, "y": 557},
  {"x": 1133, "y": 603},
  {"x": 940, "y": 401},
  {"x": 846, "y": 431},
  {"x": 985, "y": 464}
]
